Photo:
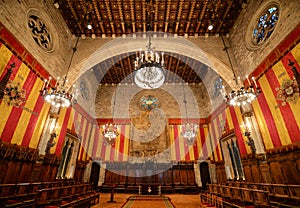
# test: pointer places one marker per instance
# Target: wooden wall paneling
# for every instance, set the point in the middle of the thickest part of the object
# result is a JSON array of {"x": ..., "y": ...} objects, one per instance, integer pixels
[
  {"x": 122, "y": 179},
  {"x": 275, "y": 170},
  {"x": 220, "y": 172},
  {"x": 168, "y": 177},
  {"x": 13, "y": 171},
  {"x": 191, "y": 176},
  {"x": 139, "y": 173},
  {"x": 25, "y": 172},
  {"x": 45, "y": 173},
  {"x": 183, "y": 175},
  {"x": 131, "y": 176},
  {"x": 3, "y": 168},
  {"x": 160, "y": 178},
  {"x": 255, "y": 170},
  {"x": 247, "y": 169},
  {"x": 265, "y": 172},
  {"x": 53, "y": 172},
  {"x": 290, "y": 169},
  {"x": 108, "y": 177},
  {"x": 115, "y": 177},
  {"x": 176, "y": 175}
]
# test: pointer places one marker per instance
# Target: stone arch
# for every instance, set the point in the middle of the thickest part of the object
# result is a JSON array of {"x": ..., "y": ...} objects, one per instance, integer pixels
[{"x": 177, "y": 45}]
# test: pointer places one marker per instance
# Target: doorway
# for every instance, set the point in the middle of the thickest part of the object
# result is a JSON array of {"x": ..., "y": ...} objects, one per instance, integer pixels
[
  {"x": 204, "y": 174},
  {"x": 94, "y": 178}
]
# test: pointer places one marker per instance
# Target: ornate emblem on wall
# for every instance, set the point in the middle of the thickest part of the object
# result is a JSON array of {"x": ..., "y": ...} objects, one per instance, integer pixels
[
  {"x": 149, "y": 102},
  {"x": 40, "y": 32},
  {"x": 288, "y": 92},
  {"x": 14, "y": 95}
]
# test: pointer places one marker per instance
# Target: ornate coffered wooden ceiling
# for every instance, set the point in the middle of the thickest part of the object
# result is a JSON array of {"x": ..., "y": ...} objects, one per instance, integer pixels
[{"x": 118, "y": 17}]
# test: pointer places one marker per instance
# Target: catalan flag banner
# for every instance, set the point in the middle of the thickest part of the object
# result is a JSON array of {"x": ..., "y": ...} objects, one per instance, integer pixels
[
  {"x": 277, "y": 108},
  {"x": 22, "y": 125}
]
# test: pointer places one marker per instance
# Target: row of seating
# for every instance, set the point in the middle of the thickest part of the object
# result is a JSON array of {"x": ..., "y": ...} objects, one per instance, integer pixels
[
  {"x": 254, "y": 194},
  {"x": 45, "y": 194},
  {"x": 275, "y": 190},
  {"x": 213, "y": 201},
  {"x": 239, "y": 195}
]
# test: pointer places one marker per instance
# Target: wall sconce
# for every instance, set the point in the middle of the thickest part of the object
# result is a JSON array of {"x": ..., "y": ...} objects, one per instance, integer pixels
[
  {"x": 53, "y": 129},
  {"x": 247, "y": 133}
]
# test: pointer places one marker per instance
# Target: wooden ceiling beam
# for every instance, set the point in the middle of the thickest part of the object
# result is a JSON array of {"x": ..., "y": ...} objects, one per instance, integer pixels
[
  {"x": 225, "y": 14},
  {"x": 144, "y": 6},
  {"x": 132, "y": 15},
  {"x": 167, "y": 18},
  {"x": 155, "y": 15},
  {"x": 77, "y": 19},
  {"x": 97, "y": 11},
  {"x": 201, "y": 16},
  {"x": 120, "y": 7},
  {"x": 179, "y": 15},
  {"x": 191, "y": 12},
  {"x": 107, "y": 4}
]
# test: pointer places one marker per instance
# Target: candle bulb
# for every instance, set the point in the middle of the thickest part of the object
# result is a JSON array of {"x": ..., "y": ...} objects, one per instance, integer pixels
[
  {"x": 44, "y": 84},
  {"x": 248, "y": 80},
  {"x": 48, "y": 82},
  {"x": 254, "y": 82}
]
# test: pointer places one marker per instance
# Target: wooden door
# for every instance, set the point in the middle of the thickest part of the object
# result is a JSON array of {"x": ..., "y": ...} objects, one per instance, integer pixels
[
  {"x": 94, "y": 178},
  {"x": 204, "y": 173}
]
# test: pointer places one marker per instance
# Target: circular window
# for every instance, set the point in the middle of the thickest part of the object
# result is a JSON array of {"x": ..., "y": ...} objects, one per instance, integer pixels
[
  {"x": 263, "y": 25},
  {"x": 39, "y": 32}
]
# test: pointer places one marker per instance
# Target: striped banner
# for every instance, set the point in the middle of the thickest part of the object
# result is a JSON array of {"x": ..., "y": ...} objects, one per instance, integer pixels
[
  {"x": 23, "y": 125},
  {"x": 279, "y": 125}
]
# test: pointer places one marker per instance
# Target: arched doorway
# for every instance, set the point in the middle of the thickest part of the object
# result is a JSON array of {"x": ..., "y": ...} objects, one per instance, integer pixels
[
  {"x": 94, "y": 178},
  {"x": 204, "y": 173}
]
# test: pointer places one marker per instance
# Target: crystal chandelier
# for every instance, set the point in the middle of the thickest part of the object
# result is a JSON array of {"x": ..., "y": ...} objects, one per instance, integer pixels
[
  {"x": 58, "y": 95},
  {"x": 188, "y": 130},
  {"x": 242, "y": 95},
  {"x": 149, "y": 71},
  {"x": 110, "y": 131}
]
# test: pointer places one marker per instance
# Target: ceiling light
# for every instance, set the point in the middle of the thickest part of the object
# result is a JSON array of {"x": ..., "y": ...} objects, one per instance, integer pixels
[
  {"x": 56, "y": 4},
  {"x": 149, "y": 72},
  {"x": 241, "y": 95},
  {"x": 89, "y": 26},
  {"x": 188, "y": 130},
  {"x": 111, "y": 131},
  {"x": 210, "y": 27},
  {"x": 58, "y": 95}
]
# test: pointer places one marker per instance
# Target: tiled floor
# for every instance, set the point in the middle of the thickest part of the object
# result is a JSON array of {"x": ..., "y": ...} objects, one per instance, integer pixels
[{"x": 178, "y": 200}]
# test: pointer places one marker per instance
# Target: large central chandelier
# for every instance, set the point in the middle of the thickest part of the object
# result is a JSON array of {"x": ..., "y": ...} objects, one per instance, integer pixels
[
  {"x": 149, "y": 71},
  {"x": 58, "y": 95},
  {"x": 188, "y": 130},
  {"x": 241, "y": 95}
]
